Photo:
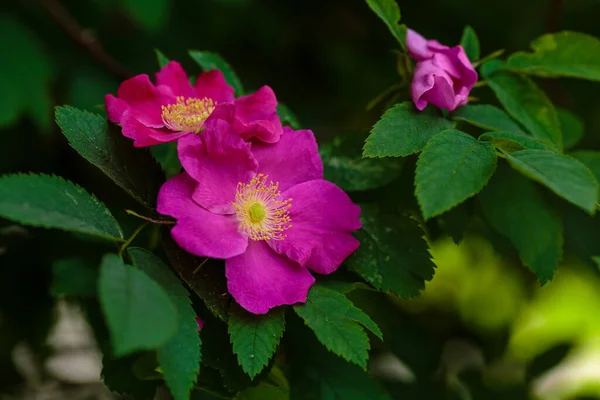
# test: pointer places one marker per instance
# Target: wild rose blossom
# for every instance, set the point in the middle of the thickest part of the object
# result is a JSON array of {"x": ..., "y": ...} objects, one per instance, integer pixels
[
  {"x": 264, "y": 208},
  {"x": 443, "y": 76},
  {"x": 153, "y": 114}
]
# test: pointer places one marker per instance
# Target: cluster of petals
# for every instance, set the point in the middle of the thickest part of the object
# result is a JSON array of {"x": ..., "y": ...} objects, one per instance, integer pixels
[
  {"x": 444, "y": 76},
  {"x": 251, "y": 192},
  {"x": 152, "y": 114}
]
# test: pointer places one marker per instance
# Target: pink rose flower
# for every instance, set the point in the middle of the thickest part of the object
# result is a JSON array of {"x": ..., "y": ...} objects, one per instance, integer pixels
[
  {"x": 444, "y": 76},
  {"x": 153, "y": 114},
  {"x": 264, "y": 208}
]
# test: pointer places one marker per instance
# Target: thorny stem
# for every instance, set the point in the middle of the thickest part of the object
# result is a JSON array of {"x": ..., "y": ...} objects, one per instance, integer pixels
[
  {"x": 133, "y": 235},
  {"x": 200, "y": 266},
  {"x": 154, "y": 221},
  {"x": 83, "y": 37}
]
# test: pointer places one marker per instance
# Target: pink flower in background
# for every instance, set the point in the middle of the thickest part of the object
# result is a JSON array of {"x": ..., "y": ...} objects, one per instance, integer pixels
[
  {"x": 153, "y": 114},
  {"x": 444, "y": 76},
  {"x": 265, "y": 208},
  {"x": 200, "y": 323}
]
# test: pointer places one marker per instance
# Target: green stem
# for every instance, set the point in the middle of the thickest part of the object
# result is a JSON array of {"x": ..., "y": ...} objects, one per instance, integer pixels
[
  {"x": 385, "y": 93},
  {"x": 200, "y": 266},
  {"x": 489, "y": 57},
  {"x": 128, "y": 242}
]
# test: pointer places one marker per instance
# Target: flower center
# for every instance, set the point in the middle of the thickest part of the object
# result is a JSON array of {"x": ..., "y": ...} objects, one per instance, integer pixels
[
  {"x": 256, "y": 213},
  {"x": 187, "y": 115},
  {"x": 261, "y": 212}
]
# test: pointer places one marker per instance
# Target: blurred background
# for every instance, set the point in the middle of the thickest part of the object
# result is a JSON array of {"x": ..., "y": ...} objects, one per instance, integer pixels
[{"x": 326, "y": 60}]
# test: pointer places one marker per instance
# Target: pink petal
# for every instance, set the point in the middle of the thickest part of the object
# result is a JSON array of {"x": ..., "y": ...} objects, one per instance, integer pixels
[
  {"x": 212, "y": 84},
  {"x": 218, "y": 160},
  {"x": 462, "y": 97},
  {"x": 173, "y": 76},
  {"x": 455, "y": 62},
  {"x": 417, "y": 46},
  {"x": 115, "y": 108},
  {"x": 441, "y": 94},
  {"x": 256, "y": 116},
  {"x": 200, "y": 323},
  {"x": 436, "y": 46},
  {"x": 431, "y": 84},
  {"x": 261, "y": 279},
  {"x": 420, "y": 48},
  {"x": 468, "y": 77},
  {"x": 144, "y": 100},
  {"x": 332, "y": 252},
  {"x": 292, "y": 160},
  {"x": 142, "y": 135},
  {"x": 198, "y": 231},
  {"x": 322, "y": 217}
]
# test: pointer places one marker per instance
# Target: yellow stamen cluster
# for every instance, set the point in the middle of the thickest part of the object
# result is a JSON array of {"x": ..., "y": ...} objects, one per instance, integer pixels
[
  {"x": 260, "y": 211},
  {"x": 187, "y": 115}
]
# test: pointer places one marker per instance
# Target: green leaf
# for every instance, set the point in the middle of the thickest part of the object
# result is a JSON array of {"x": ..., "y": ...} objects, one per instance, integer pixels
[
  {"x": 151, "y": 16},
  {"x": 333, "y": 378},
  {"x": 345, "y": 167},
  {"x": 562, "y": 54},
  {"x": 218, "y": 354},
  {"x": 179, "y": 358},
  {"x": 514, "y": 208},
  {"x": 528, "y": 104},
  {"x": 52, "y": 202},
  {"x": 581, "y": 232},
  {"x": 492, "y": 65},
  {"x": 161, "y": 58},
  {"x": 206, "y": 277},
  {"x": 73, "y": 277},
  {"x": 317, "y": 374},
  {"x": 487, "y": 117},
  {"x": 590, "y": 159},
  {"x": 166, "y": 155},
  {"x": 118, "y": 376},
  {"x": 287, "y": 116},
  {"x": 25, "y": 75},
  {"x": 470, "y": 43},
  {"x": 455, "y": 223},
  {"x": 571, "y": 126},
  {"x": 393, "y": 255},
  {"x": 138, "y": 312},
  {"x": 403, "y": 130},
  {"x": 389, "y": 12},
  {"x": 453, "y": 167},
  {"x": 101, "y": 144},
  {"x": 209, "y": 61},
  {"x": 255, "y": 337},
  {"x": 510, "y": 142},
  {"x": 336, "y": 322},
  {"x": 264, "y": 391},
  {"x": 564, "y": 175}
]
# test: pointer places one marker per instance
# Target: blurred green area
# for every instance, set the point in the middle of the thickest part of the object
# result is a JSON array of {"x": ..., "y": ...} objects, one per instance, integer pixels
[{"x": 325, "y": 59}]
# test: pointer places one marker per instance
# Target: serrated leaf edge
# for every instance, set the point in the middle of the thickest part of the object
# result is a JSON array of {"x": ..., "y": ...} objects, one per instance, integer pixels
[
  {"x": 266, "y": 362},
  {"x": 427, "y": 217},
  {"x": 92, "y": 196}
]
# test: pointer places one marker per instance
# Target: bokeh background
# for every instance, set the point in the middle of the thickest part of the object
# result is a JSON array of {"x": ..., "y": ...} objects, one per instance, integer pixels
[{"x": 326, "y": 60}]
